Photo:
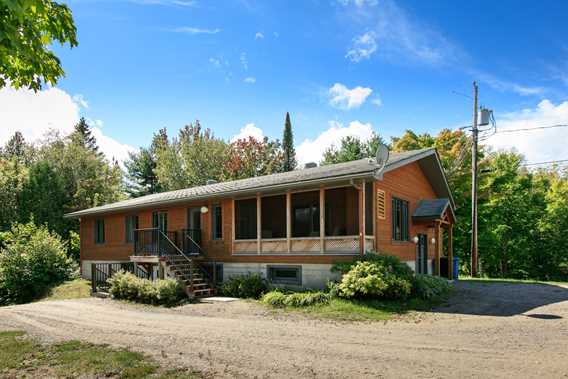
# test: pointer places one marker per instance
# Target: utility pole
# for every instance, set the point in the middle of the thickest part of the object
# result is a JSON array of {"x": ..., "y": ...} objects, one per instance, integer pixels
[{"x": 475, "y": 135}]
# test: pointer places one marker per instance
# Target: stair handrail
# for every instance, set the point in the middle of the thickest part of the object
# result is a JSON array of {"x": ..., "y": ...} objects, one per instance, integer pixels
[{"x": 212, "y": 280}]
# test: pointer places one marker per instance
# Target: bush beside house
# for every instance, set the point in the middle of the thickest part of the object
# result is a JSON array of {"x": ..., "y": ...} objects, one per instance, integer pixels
[
  {"x": 127, "y": 286},
  {"x": 32, "y": 260},
  {"x": 372, "y": 278}
]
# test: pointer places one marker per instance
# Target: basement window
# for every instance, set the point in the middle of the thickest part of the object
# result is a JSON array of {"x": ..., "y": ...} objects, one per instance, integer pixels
[{"x": 291, "y": 275}]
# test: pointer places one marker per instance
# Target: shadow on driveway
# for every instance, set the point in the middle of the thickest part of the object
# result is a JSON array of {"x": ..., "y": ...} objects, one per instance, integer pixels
[{"x": 504, "y": 299}]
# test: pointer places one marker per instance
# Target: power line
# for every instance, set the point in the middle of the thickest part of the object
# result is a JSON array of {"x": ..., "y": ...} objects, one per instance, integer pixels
[
  {"x": 546, "y": 163},
  {"x": 535, "y": 128}
]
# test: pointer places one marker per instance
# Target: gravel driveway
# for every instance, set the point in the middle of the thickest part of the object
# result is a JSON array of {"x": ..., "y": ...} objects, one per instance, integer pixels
[{"x": 486, "y": 330}]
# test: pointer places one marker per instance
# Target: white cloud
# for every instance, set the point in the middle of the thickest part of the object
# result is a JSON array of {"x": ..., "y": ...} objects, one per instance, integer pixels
[
  {"x": 194, "y": 30},
  {"x": 250, "y": 80},
  {"x": 249, "y": 130},
  {"x": 344, "y": 98},
  {"x": 215, "y": 62},
  {"x": 312, "y": 150},
  {"x": 259, "y": 35},
  {"x": 34, "y": 114},
  {"x": 363, "y": 47},
  {"x": 244, "y": 61},
  {"x": 79, "y": 99},
  {"x": 377, "y": 101},
  {"x": 506, "y": 86},
  {"x": 395, "y": 35},
  {"x": 539, "y": 145}
]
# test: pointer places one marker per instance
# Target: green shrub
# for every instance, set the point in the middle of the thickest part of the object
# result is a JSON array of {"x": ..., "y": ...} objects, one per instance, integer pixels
[
  {"x": 375, "y": 279},
  {"x": 245, "y": 286},
  {"x": 127, "y": 286},
  {"x": 32, "y": 260},
  {"x": 429, "y": 287},
  {"x": 394, "y": 264},
  {"x": 277, "y": 298}
]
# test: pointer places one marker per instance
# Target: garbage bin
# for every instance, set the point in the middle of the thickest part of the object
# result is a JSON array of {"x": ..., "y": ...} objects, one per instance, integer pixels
[
  {"x": 444, "y": 267},
  {"x": 456, "y": 268}
]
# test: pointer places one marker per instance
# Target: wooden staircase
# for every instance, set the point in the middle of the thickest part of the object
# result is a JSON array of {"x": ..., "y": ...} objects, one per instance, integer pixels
[{"x": 191, "y": 275}]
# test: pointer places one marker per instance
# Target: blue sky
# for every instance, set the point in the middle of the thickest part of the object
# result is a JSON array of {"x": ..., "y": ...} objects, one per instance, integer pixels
[{"x": 339, "y": 67}]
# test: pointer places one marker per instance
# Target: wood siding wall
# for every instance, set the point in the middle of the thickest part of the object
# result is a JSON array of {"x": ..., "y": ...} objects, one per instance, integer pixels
[{"x": 407, "y": 183}]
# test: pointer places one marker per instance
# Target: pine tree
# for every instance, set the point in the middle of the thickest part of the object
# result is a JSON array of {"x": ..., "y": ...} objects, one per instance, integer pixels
[
  {"x": 83, "y": 136},
  {"x": 290, "y": 162}
]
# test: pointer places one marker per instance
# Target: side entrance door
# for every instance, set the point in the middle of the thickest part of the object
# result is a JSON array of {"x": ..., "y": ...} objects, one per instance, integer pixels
[
  {"x": 193, "y": 229},
  {"x": 422, "y": 254}
]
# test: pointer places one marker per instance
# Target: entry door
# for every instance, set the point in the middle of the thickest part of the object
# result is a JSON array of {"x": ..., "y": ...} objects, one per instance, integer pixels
[
  {"x": 422, "y": 254},
  {"x": 194, "y": 229}
]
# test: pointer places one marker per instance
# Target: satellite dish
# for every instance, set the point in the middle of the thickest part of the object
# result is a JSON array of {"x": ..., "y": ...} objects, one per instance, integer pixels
[{"x": 382, "y": 156}]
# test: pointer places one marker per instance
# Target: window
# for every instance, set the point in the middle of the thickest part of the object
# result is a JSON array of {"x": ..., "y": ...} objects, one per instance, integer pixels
[
  {"x": 130, "y": 224},
  {"x": 285, "y": 275},
  {"x": 99, "y": 231},
  {"x": 160, "y": 221},
  {"x": 399, "y": 220},
  {"x": 217, "y": 222},
  {"x": 245, "y": 219}
]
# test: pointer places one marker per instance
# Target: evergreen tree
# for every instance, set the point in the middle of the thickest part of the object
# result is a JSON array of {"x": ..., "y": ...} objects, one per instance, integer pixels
[
  {"x": 43, "y": 198},
  {"x": 290, "y": 162},
  {"x": 140, "y": 168},
  {"x": 18, "y": 150},
  {"x": 83, "y": 136}
]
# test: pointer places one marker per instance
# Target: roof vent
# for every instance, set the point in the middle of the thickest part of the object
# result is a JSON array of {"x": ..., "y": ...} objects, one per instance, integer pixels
[
  {"x": 211, "y": 181},
  {"x": 310, "y": 165}
]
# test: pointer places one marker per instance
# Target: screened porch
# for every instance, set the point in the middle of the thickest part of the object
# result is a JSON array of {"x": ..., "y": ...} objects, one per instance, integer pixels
[{"x": 335, "y": 220}]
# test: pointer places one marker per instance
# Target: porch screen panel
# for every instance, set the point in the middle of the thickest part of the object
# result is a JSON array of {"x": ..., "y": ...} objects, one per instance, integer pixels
[
  {"x": 245, "y": 219},
  {"x": 273, "y": 218},
  {"x": 369, "y": 219},
  {"x": 342, "y": 212},
  {"x": 305, "y": 214}
]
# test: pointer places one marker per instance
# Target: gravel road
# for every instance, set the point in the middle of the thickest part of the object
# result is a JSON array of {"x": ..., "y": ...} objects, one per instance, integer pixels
[{"x": 486, "y": 330}]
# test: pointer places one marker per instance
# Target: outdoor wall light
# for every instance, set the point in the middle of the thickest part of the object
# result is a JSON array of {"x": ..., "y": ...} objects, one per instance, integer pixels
[
  {"x": 433, "y": 240},
  {"x": 415, "y": 239},
  {"x": 204, "y": 209}
]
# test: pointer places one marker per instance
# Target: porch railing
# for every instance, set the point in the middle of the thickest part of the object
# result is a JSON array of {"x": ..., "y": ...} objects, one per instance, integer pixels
[
  {"x": 151, "y": 241},
  {"x": 101, "y": 272}
]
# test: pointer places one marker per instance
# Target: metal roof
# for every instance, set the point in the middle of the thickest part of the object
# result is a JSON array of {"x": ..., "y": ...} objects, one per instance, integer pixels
[
  {"x": 431, "y": 209},
  {"x": 293, "y": 179}
]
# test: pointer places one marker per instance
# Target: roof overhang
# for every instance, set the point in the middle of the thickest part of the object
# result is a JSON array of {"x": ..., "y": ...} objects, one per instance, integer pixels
[{"x": 237, "y": 193}]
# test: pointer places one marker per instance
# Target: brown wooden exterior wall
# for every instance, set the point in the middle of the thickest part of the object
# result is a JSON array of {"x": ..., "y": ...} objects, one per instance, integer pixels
[{"x": 407, "y": 183}]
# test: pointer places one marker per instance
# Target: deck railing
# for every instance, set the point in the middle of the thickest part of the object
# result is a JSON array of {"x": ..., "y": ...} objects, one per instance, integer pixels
[{"x": 102, "y": 272}]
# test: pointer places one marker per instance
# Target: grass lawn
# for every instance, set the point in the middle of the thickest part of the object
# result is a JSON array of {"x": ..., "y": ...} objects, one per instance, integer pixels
[
  {"x": 73, "y": 289},
  {"x": 507, "y": 281},
  {"x": 21, "y": 356},
  {"x": 363, "y": 310}
]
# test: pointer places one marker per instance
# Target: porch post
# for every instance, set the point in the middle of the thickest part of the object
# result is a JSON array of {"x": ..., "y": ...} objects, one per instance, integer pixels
[
  {"x": 437, "y": 247},
  {"x": 258, "y": 223},
  {"x": 322, "y": 219},
  {"x": 362, "y": 218},
  {"x": 233, "y": 231},
  {"x": 451, "y": 251},
  {"x": 289, "y": 221}
]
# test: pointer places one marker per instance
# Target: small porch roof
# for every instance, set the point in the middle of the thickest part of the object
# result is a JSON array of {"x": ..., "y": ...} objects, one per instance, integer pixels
[{"x": 434, "y": 209}]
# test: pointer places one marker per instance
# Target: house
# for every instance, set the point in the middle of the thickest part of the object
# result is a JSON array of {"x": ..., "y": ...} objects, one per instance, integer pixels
[{"x": 289, "y": 227}]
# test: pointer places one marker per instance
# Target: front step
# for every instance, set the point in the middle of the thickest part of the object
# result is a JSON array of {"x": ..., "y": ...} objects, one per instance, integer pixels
[{"x": 197, "y": 286}]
